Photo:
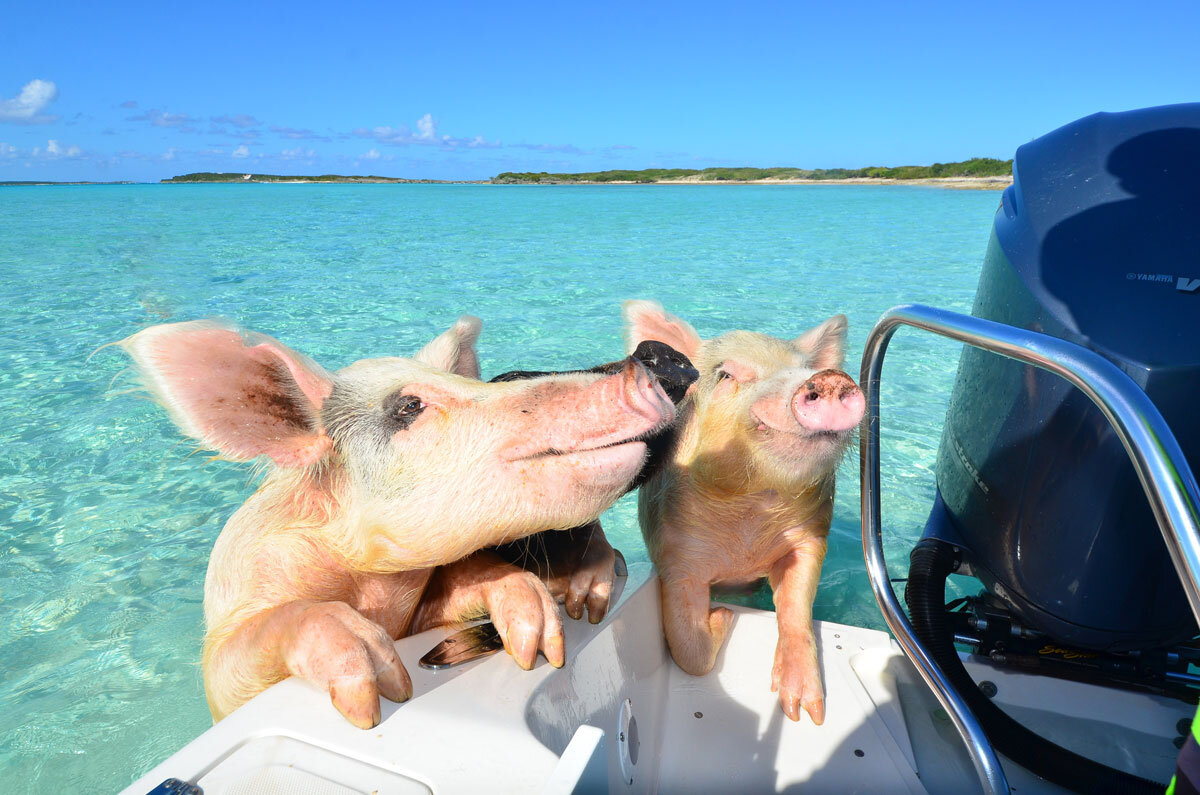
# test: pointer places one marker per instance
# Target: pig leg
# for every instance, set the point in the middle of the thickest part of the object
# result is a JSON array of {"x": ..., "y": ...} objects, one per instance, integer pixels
[
  {"x": 795, "y": 674},
  {"x": 695, "y": 629},
  {"x": 329, "y": 644},
  {"x": 517, "y": 602},
  {"x": 592, "y": 580},
  {"x": 577, "y": 565}
]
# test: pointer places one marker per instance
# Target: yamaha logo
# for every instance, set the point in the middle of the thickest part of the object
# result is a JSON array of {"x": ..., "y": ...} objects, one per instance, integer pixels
[{"x": 1183, "y": 284}]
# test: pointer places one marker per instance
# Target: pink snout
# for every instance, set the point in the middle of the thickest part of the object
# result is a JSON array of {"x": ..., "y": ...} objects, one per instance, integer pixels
[
  {"x": 643, "y": 395},
  {"x": 829, "y": 401}
]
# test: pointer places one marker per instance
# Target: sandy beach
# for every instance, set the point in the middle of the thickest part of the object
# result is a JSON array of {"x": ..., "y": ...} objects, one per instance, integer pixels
[
  {"x": 959, "y": 183},
  {"x": 954, "y": 183}
]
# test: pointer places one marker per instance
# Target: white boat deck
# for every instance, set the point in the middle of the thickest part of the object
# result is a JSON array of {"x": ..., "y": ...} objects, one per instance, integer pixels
[{"x": 488, "y": 726}]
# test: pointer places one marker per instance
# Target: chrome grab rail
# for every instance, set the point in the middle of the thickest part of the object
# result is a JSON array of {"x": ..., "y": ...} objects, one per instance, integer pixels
[{"x": 1156, "y": 456}]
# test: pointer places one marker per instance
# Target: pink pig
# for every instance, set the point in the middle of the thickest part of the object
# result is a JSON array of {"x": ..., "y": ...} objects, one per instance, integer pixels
[
  {"x": 747, "y": 491},
  {"x": 383, "y": 472}
]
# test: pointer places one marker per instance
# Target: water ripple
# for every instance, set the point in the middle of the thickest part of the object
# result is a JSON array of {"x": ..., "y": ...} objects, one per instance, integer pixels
[{"x": 106, "y": 519}]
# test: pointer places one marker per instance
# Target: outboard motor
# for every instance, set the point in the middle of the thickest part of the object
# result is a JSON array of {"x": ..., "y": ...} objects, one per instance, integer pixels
[{"x": 1096, "y": 242}]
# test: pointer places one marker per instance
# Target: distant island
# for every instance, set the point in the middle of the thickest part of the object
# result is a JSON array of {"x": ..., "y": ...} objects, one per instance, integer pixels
[
  {"x": 983, "y": 169},
  {"x": 209, "y": 176},
  {"x": 978, "y": 172},
  {"x": 18, "y": 183}
]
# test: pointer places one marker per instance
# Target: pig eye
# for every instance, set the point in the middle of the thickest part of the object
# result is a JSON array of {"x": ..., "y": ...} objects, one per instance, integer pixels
[
  {"x": 722, "y": 375},
  {"x": 401, "y": 410}
]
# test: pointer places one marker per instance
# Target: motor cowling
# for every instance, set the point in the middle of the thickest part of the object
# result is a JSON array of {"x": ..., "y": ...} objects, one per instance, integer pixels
[{"x": 1097, "y": 242}]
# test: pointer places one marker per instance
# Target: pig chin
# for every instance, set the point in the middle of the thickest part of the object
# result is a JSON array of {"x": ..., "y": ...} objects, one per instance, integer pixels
[
  {"x": 802, "y": 452},
  {"x": 566, "y": 474}
]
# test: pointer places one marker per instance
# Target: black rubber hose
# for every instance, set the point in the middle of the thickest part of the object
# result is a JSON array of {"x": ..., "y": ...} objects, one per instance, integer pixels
[{"x": 931, "y": 562}]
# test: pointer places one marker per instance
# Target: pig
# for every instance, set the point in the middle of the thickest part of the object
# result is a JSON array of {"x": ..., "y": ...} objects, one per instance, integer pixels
[
  {"x": 747, "y": 489},
  {"x": 578, "y": 565},
  {"x": 380, "y": 475}
]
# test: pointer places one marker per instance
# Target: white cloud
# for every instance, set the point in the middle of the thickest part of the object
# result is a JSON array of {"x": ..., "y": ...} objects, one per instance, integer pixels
[
  {"x": 54, "y": 151},
  {"x": 7, "y": 151},
  {"x": 70, "y": 151},
  {"x": 425, "y": 135},
  {"x": 426, "y": 127},
  {"x": 245, "y": 135},
  {"x": 170, "y": 153},
  {"x": 239, "y": 120},
  {"x": 298, "y": 153},
  {"x": 161, "y": 118},
  {"x": 373, "y": 154},
  {"x": 27, "y": 107},
  {"x": 241, "y": 151},
  {"x": 302, "y": 134}
]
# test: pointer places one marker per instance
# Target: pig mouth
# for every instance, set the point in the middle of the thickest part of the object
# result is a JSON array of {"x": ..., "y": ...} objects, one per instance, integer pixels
[
  {"x": 799, "y": 432},
  {"x": 631, "y": 443}
]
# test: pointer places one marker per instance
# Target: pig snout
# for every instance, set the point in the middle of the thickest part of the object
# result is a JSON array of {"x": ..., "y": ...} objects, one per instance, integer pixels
[
  {"x": 674, "y": 371},
  {"x": 619, "y": 408},
  {"x": 829, "y": 401},
  {"x": 644, "y": 395}
]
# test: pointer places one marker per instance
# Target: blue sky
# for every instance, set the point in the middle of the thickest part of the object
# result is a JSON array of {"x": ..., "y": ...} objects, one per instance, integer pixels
[{"x": 142, "y": 91}]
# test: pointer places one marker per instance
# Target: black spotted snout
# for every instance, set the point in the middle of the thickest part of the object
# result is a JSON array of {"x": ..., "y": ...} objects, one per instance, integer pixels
[{"x": 674, "y": 371}]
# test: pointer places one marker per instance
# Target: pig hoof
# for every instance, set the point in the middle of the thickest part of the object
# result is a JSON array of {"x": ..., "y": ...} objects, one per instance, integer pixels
[
  {"x": 526, "y": 617},
  {"x": 798, "y": 683},
  {"x": 792, "y": 703},
  {"x": 336, "y": 648},
  {"x": 592, "y": 583}
]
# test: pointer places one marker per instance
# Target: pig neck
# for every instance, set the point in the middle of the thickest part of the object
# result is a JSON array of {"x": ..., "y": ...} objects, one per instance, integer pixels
[
  {"x": 733, "y": 517},
  {"x": 320, "y": 503},
  {"x": 285, "y": 544}
]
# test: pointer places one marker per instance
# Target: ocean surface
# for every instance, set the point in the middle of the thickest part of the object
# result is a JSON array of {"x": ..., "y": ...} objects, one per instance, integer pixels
[{"x": 107, "y": 515}]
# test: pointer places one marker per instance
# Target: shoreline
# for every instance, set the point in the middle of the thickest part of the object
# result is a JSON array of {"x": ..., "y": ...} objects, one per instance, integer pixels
[
  {"x": 949, "y": 183},
  {"x": 952, "y": 183}
]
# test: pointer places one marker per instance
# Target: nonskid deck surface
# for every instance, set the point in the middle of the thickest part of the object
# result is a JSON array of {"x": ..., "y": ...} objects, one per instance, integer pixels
[{"x": 488, "y": 726}]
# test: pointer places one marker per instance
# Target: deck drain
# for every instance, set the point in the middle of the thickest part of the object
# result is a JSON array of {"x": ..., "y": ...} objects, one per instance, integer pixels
[{"x": 628, "y": 743}]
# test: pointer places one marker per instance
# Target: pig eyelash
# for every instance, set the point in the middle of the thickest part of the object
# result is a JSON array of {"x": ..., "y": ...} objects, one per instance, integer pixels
[{"x": 722, "y": 375}]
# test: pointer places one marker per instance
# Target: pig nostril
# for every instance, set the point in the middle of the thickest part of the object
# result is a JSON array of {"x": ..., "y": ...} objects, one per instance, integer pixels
[{"x": 811, "y": 397}]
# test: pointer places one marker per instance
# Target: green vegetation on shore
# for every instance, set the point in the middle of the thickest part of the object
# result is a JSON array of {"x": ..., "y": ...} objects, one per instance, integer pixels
[
  {"x": 975, "y": 167},
  {"x": 209, "y": 176},
  {"x": 619, "y": 175}
]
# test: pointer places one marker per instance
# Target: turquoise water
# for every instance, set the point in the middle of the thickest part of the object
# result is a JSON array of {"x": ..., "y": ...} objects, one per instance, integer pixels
[{"x": 106, "y": 519}]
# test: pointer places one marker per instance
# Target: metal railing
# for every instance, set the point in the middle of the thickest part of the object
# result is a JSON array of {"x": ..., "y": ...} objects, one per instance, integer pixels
[{"x": 1156, "y": 456}]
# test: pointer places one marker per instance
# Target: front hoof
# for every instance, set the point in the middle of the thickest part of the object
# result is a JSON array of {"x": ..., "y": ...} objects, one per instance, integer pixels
[
  {"x": 527, "y": 619},
  {"x": 797, "y": 679}
]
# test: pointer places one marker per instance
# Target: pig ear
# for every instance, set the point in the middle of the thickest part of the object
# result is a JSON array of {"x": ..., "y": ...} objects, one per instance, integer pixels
[
  {"x": 824, "y": 347},
  {"x": 647, "y": 320},
  {"x": 241, "y": 393},
  {"x": 454, "y": 350}
]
